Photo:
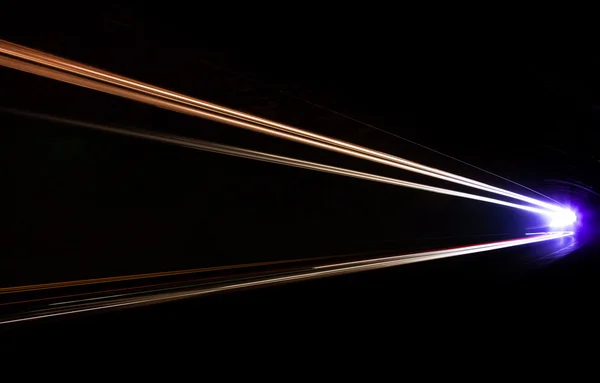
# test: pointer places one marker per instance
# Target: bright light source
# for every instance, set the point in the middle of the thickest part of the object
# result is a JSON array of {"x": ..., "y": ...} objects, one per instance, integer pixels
[{"x": 563, "y": 218}]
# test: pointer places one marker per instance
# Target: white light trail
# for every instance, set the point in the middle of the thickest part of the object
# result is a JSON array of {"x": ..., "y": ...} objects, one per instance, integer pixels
[
  {"x": 275, "y": 159},
  {"x": 40, "y": 63},
  {"x": 315, "y": 272},
  {"x": 457, "y": 251}
]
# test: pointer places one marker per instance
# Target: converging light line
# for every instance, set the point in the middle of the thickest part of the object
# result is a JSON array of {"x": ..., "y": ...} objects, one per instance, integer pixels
[
  {"x": 276, "y": 159},
  {"x": 46, "y": 65}
]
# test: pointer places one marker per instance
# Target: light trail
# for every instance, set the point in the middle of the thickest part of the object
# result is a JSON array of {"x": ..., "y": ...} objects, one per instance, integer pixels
[
  {"x": 313, "y": 273},
  {"x": 550, "y": 232},
  {"x": 470, "y": 250},
  {"x": 139, "y": 289},
  {"x": 46, "y": 65},
  {"x": 275, "y": 159},
  {"x": 162, "y": 274},
  {"x": 343, "y": 115}
]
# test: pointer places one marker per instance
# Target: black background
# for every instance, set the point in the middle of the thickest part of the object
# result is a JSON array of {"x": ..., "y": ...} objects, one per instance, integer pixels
[{"x": 84, "y": 204}]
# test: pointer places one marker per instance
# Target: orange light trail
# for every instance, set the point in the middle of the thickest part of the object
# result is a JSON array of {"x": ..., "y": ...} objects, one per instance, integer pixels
[{"x": 57, "y": 68}]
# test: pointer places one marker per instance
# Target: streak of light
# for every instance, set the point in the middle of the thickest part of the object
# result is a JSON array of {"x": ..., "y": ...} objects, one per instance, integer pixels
[
  {"x": 124, "y": 278},
  {"x": 82, "y": 294},
  {"x": 316, "y": 272},
  {"x": 42, "y": 64},
  {"x": 417, "y": 144},
  {"x": 461, "y": 250},
  {"x": 192, "y": 283},
  {"x": 276, "y": 159},
  {"x": 195, "y": 282},
  {"x": 549, "y": 232}
]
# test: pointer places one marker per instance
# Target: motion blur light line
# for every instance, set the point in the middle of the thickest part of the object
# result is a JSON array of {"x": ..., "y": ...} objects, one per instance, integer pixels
[
  {"x": 136, "y": 277},
  {"x": 272, "y": 158},
  {"x": 552, "y": 232},
  {"x": 317, "y": 272},
  {"x": 36, "y": 62},
  {"x": 414, "y": 143},
  {"x": 470, "y": 249}
]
